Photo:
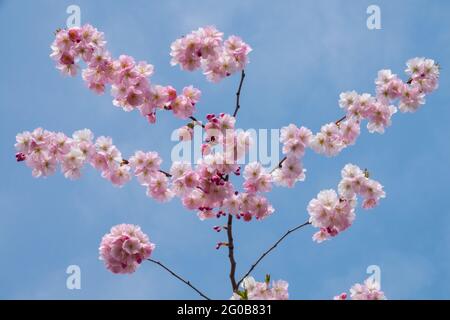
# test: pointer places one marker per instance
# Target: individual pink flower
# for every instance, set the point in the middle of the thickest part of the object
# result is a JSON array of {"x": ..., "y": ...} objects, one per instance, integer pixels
[
  {"x": 369, "y": 290},
  {"x": 158, "y": 187},
  {"x": 290, "y": 172},
  {"x": 349, "y": 130},
  {"x": 256, "y": 180},
  {"x": 124, "y": 248},
  {"x": 253, "y": 290},
  {"x": 295, "y": 140},
  {"x": 412, "y": 98},
  {"x": 328, "y": 141},
  {"x": 379, "y": 116},
  {"x": 119, "y": 174}
]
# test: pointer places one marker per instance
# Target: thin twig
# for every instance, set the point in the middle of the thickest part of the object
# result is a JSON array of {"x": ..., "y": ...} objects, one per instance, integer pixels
[
  {"x": 238, "y": 94},
  {"x": 196, "y": 121},
  {"x": 234, "y": 285},
  {"x": 179, "y": 278},
  {"x": 280, "y": 164},
  {"x": 270, "y": 249},
  {"x": 340, "y": 120},
  {"x": 168, "y": 175}
]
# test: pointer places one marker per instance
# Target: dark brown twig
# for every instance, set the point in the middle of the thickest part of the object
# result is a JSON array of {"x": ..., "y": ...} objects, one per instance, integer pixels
[
  {"x": 340, "y": 120},
  {"x": 179, "y": 278},
  {"x": 234, "y": 285},
  {"x": 280, "y": 164},
  {"x": 270, "y": 249},
  {"x": 196, "y": 121},
  {"x": 168, "y": 175},
  {"x": 238, "y": 94}
]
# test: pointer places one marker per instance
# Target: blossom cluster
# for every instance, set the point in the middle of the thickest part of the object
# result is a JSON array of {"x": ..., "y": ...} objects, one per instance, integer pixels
[
  {"x": 294, "y": 140},
  {"x": 333, "y": 137},
  {"x": 207, "y": 188},
  {"x": 205, "y": 48},
  {"x": 253, "y": 290},
  {"x": 146, "y": 167},
  {"x": 43, "y": 150},
  {"x": 129, "y": 80},
  {"x": 124, "y": 248},
  {"x": 369, "y": 290},
  {"x": 334, "y": 212}
]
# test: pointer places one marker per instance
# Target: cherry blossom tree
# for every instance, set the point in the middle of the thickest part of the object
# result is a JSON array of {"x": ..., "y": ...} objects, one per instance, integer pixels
[{"x": 205, "y": 187}]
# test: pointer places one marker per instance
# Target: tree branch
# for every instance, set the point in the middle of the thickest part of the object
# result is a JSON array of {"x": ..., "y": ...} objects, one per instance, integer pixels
[
  {"x": 238, "y": 94},
  {"x": 280, "y": 164},
  {"x": 340, "y": 120},
  {"x": 196, "y": 121},
  {"x": 179, "y": 278},
  {"x": 234, "y": 285},
  {"x": 168, "y": 175},
  {"x": 270, "y": 249}
]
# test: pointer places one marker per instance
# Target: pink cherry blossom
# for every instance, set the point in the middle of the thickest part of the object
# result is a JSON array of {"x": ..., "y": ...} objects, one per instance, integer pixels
[
  {"x": 290, "y": 172},
  {"x": 295, "y": 140},
  {"x": 124, "y": 248},
  {"x": 369, "y": 290},
  {"x": 204, "y": 48},
  {"x": 328, "y": 141},
  {"x": 334, "y": 212},
  {"x": 256, "y": 180},
  {"x": 129, "y": 80},
  {"x": 253, "y": 290}
]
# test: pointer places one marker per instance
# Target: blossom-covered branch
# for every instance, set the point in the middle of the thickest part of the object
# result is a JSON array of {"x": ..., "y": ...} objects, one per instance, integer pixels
[
  {"x": 204, "y": 48},
  {"x": 206, "y": 187},
  {"x": 377, "y": 110},
  {"x": 130, "y": 84}
]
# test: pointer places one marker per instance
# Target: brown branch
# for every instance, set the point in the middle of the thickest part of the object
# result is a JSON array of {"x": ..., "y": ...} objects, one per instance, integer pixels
[
  {"x": 280, "y": 164},
  {"x": 196, "y": 121},
  {"x": 179, "y": 278},
  {"x": 125, "y": 162},
  {"x": 238, "y": 94},
  {"x": 270, "y": 249},
  {"x": 168, "y": 175},
  {"x": 340, "y": 120},
  {"x": 231, "y": 253}
]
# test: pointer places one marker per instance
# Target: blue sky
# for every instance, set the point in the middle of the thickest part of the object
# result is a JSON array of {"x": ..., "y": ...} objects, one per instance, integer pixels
[{"x": 305, "y": 54}]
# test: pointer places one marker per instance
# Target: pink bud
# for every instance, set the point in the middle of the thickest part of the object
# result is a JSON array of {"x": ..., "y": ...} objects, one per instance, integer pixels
[
  {"x": 247, "y": 216},
  {"x": 20, "y": 157}
]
